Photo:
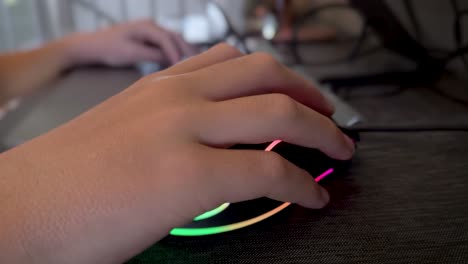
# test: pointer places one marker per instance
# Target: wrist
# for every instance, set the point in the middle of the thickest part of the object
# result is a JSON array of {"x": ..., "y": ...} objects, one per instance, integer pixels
[
  {"x": 75, "y": 50},
  {"x": 63, "y": 53},
  {"x": 83, "y": 220}
]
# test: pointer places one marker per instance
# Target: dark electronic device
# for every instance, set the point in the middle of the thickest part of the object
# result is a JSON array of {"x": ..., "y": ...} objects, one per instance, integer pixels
[
  {"x": 394, "y": 37},
  {"x": 229, "y": 217}
]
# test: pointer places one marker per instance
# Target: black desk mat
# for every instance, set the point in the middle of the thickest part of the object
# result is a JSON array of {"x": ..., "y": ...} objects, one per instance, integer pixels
[{"x": 405, "y": 200}]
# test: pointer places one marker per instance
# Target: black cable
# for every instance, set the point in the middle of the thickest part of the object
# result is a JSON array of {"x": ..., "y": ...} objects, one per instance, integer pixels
[
  {"x": 444, "y": 59},
  {"x": 361, "y": 54},
  {"x": 232, "y": 32},
  {"x": 301, "y": 21},
  {"x": 242, "y": 41},
  {"x": 409, "y": 5},
  {"x": 452, "y": 98},
  {"x": 356, "y": 50},
  {"x": 314, "y": 11},
  {"x": 360, "y": 42}
]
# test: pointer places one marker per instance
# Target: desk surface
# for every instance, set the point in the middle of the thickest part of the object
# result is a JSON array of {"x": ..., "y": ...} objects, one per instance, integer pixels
[{"x": 405, "y": 199}]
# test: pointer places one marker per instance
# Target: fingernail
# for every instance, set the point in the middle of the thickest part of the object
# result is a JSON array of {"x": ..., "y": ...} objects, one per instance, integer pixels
[
  {"x": 350, "y": 144},
  {"x": 324, "y": 196}
]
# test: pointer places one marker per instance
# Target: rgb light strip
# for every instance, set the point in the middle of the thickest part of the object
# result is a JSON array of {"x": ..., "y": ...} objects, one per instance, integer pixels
[
  {"x": 203, "y": 231},
  {"x": 212, "y": 212}
]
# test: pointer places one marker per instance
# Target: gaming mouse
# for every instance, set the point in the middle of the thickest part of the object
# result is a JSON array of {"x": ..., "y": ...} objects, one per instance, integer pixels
[{"x": 229, "y": 217}]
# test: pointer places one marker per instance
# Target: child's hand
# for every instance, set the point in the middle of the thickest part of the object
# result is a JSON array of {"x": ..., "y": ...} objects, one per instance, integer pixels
[
  {"x": 22, "y": 73},
  {"x": 129, "y": 43},
  {"x": 105, "y": 186}
]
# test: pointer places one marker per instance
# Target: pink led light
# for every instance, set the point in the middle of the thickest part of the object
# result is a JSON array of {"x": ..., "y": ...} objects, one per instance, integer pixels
[
  {"x": 323, "y": 175},
  {"x": 242, "y": 224},
  {"x": 319, "y": 178},
  {"x": 273, "y": 144}
]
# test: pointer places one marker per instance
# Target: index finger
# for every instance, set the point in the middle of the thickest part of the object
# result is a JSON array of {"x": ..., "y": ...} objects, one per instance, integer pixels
[
  {"x": 217, "y": 54},
  {"x": 153, "y": 34},
  {"x": 187, "y": 49},
  {"x": 256, "y": 74}
]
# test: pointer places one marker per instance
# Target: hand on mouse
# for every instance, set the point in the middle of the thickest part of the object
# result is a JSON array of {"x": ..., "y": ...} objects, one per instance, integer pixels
[
  {"x": 22, "y": 73},
  {"x": 129, "y": 43},
  {"x": 103, "y": 187}
]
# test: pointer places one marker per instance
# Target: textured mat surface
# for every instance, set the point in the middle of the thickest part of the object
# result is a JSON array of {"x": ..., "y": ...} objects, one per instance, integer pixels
[{"x": 405, "y": 200}]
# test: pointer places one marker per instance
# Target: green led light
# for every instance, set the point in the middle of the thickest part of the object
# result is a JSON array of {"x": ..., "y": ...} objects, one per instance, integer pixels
[
  {"x": 199, "y": 231},
  {"x": 212, "y": 212},
  {"x": 204, "y": 231}
]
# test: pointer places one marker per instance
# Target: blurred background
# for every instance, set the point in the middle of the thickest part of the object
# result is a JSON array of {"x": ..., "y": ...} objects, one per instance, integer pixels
[
  {"x": 28, "y": 23},
  {"x": 362, "y": 53}
]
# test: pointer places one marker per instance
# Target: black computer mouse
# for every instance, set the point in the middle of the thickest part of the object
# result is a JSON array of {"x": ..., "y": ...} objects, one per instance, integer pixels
[
  {"x": 229, "y": 217},
  {"x": 310, "y": 159}
]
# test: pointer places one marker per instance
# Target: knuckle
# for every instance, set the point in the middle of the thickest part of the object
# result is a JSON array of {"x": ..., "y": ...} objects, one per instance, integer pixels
[
  {"x": 170, "y": 82},
  {"x": 283, "y": 107},
  {"x": 266, "y": 61},
  {"x": 226, "y": 48}
]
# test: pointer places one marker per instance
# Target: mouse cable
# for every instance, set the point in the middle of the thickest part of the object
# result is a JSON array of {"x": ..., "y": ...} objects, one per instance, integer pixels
[
  {"x": 448, "y": 96},
  {"x": 415, "y": 23},
  {"x": 356, "y": 49},
  {"x": 409, "y": 129}
]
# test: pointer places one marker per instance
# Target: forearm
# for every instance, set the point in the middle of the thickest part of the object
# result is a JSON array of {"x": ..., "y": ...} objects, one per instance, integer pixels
[
  {"x": 61, "y": 205},
  {"x": 23, "y": 72}
]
